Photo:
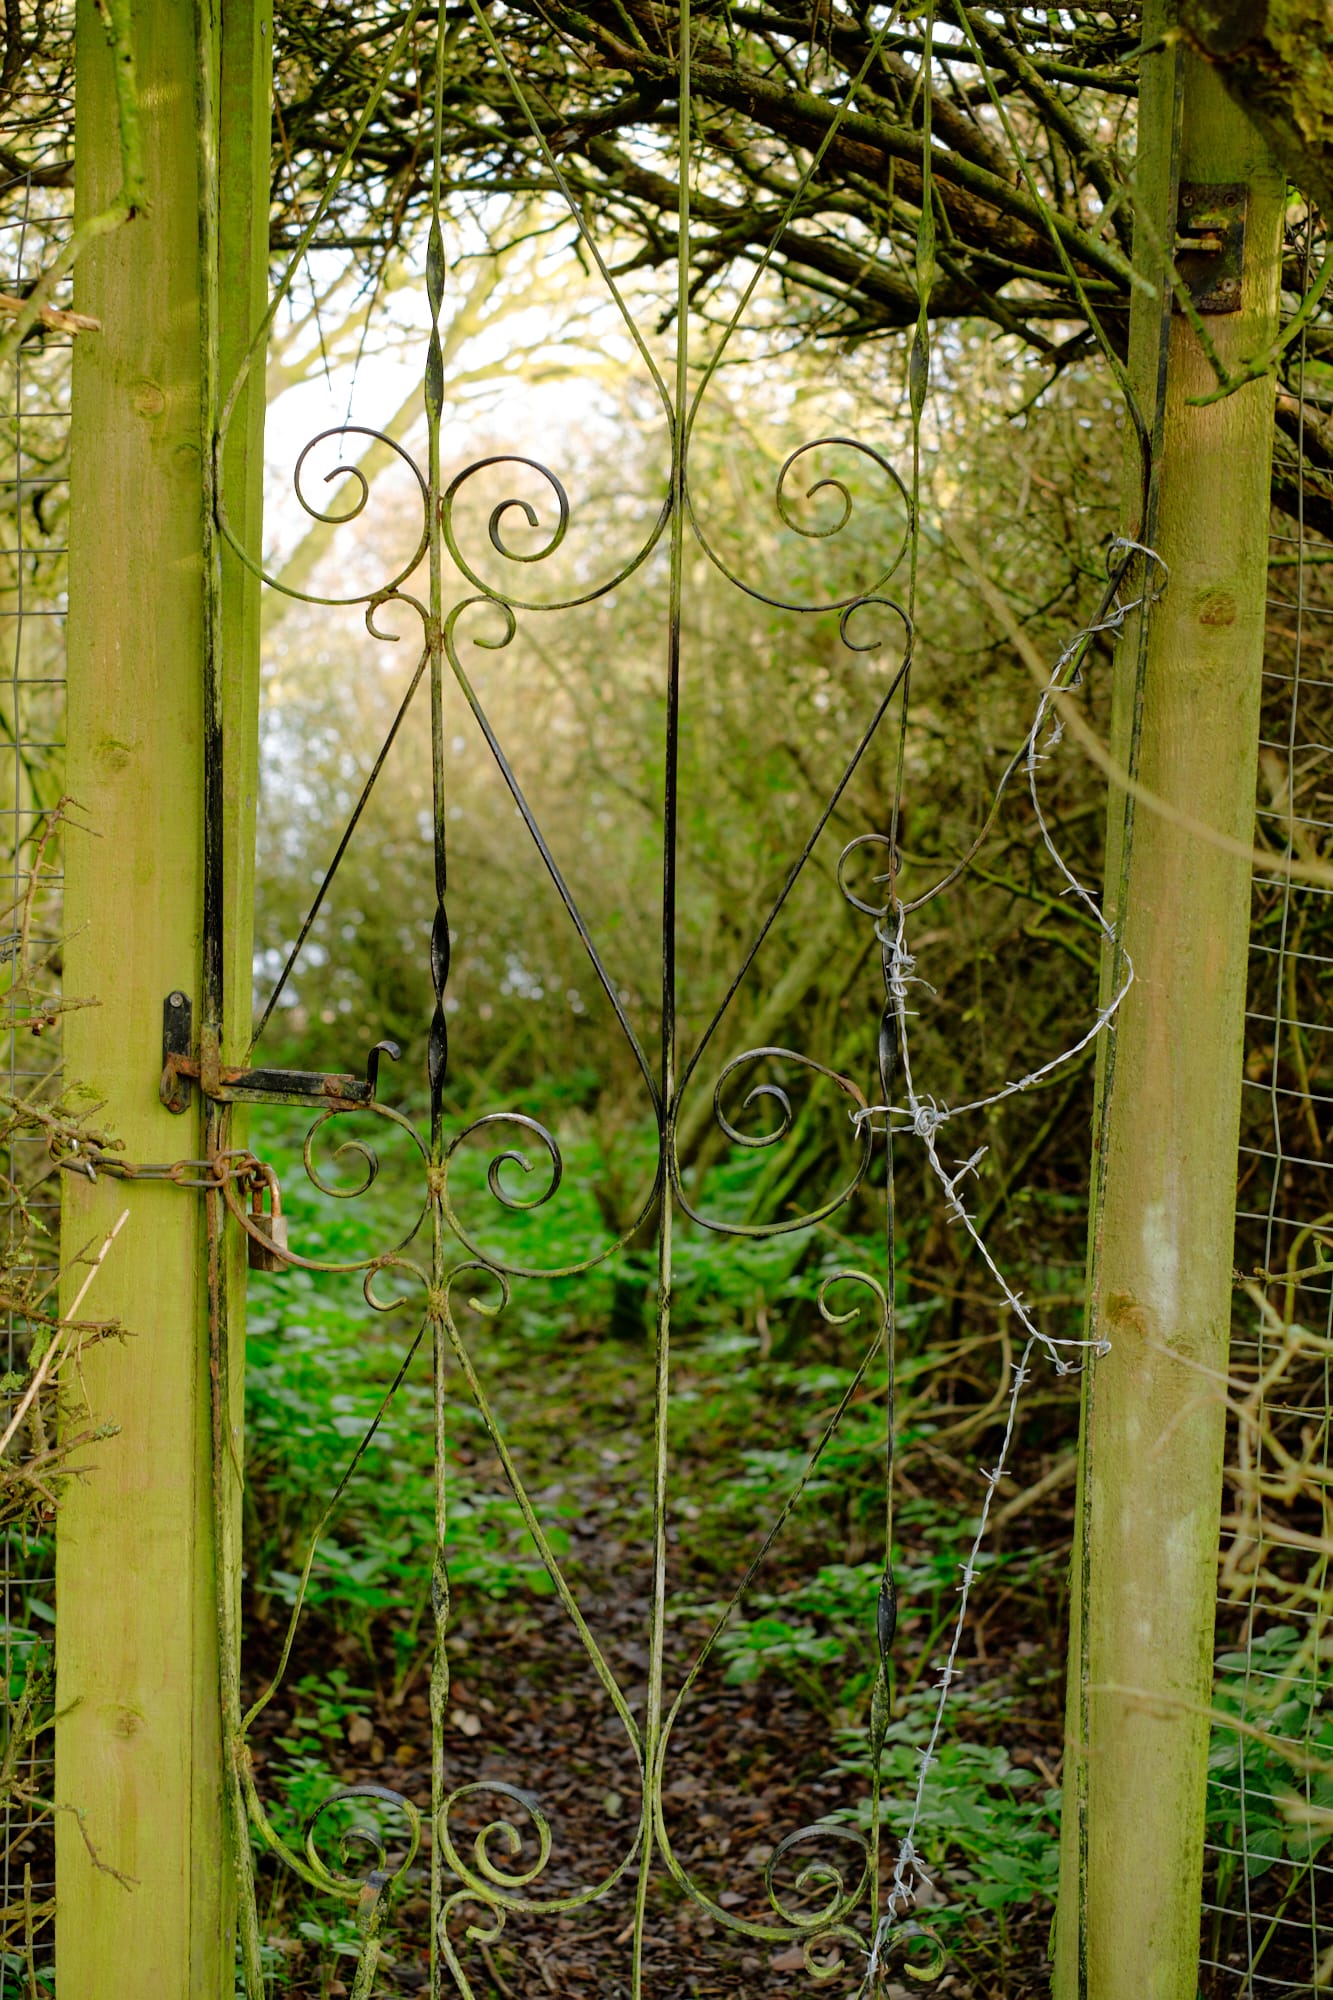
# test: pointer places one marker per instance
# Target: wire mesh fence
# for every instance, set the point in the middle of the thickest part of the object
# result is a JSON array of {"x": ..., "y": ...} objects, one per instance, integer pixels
[
  {"x": 1268, "y": 1919},
  {"x": 34, "y": 453}
]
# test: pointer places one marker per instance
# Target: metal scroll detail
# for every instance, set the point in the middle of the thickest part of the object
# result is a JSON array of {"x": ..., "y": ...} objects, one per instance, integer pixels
[{"x": 823, "y": 1882}]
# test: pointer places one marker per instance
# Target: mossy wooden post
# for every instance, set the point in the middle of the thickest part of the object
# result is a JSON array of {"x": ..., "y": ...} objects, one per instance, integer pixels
[
  {"x": 1145, "y": 1553},
  {"x": 139, "y": 1741}
]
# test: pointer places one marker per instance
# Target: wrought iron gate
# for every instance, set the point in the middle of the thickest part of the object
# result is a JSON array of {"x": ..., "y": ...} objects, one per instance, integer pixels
[{"x": 823, "y": 1881}]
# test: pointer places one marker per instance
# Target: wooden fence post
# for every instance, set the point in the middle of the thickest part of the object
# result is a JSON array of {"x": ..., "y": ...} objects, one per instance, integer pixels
[
  {"x": 139, "y": 1752},
  {"x": 1188, "y": 685}
]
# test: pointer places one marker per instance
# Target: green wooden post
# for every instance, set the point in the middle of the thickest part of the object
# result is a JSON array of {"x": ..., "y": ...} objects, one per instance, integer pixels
[
  {"x": 1161, "y": 1253},
  {"x": 139, "y": 1741},
  {"x": 138, "y": 1748}
]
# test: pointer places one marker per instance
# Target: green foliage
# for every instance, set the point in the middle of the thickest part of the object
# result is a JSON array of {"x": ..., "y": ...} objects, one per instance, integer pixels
[
  {"x": 820, "y": 1633},
  {"x": 771, "y": 1643},
  {"x": 758, "y": 1373},
  {"x": 1270, "y": 1781},
  {"x": 315, "y": 1387},
  {"x": 334, "y": 1937},
  {"x": 299, "y": 1776},
  {"x": 18, "y": 1981},
  {"x": 274, "y": 1959},
  {"x": 987, "y": 1831}
]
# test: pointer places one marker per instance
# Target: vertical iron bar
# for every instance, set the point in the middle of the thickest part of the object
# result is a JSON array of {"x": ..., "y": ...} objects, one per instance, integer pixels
[
  {"x": 438, "y": 1045},
  {"x": 662, "y": 1355},
  {"x": 236, "y": 72}
]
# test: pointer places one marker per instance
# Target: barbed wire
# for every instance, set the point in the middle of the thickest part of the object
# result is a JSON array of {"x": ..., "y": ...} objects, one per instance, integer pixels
[{"x": 924, "y": 1118}]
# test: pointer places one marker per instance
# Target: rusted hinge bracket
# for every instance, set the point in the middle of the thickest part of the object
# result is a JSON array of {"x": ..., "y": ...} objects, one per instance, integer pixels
[
  {"x": 1210, "y": 243},
  {"x": 229, "y": 1084}
]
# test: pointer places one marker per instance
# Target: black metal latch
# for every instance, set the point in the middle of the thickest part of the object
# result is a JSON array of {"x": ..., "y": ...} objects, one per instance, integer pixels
[
  {"x": 228, "y": 1083},
  {"x": 1210, "y": 243}
]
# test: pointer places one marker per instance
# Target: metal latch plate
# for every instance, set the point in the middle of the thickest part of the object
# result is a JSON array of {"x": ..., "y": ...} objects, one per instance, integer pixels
[
  {"x": 1210, "y": 243},
  {"x": 231, "y": 1083}
]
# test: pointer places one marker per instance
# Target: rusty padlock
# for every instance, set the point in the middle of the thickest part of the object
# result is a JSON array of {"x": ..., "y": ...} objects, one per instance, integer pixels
[{"x": 273, "y": 1226}]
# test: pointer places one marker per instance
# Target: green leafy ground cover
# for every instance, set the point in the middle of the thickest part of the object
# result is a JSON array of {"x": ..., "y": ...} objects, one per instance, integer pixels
[{"x": 775, "y": 1736}]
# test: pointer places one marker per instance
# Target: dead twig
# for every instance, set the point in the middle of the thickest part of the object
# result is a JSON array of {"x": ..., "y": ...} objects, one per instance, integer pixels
[
  {"x": 55, "y": 317},
  {"x": 48, "y": 1361}
]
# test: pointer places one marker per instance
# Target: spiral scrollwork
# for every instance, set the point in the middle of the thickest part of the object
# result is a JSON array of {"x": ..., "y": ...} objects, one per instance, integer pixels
[
  {"x": 329, "y": 515},
  {"x": 349, "y": 1149},
  {"x": 923, "y": 1955},
  {"x": 509, "y": 1835},
  {"x": 514, "y": 504},
  {"x": 815, "y": 1876},
  {"x": 378, "y": 603},
  {"x": 554, "y": 537},
  {"x": 521, "y": 1160},
  {"x": 232, "y": 1183},
  {"x": 483, "y": 1924},
  {"x": 849, "y": 1276},
  {"x": 494, "y": 1838},
  {"x": 362, "y": 1838},
  {"x": 823, "y": 1952},
  {"x": 500, "y": 1881},
  {"x": 490, "y": 1274},
  {"x": 803, "y": 1922},
  {"x": 460, "y": 611},
  {"x": 368, "y": 1842},
  {"x": 384, "y": 1267},
  {"x": 872, "y": 645},
  {"x": 839, "y": 487},
  {"x": 757, "y": 1140},
  {"x": 509, "y": 1198},
  {"x": 510, "y": 1156},
  {"x": 773, "y": 1095},
  {"x": 820, "y": 486},
  {"x": 476, "y": 1933},
  {"x": 340, "y": 517},
  {"x": 865, "y": 843},
  {"x": 820, "y": 531}
]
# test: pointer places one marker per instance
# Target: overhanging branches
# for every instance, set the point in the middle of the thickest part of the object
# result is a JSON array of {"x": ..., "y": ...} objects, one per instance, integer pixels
[{"x": 1028, "y": 115}]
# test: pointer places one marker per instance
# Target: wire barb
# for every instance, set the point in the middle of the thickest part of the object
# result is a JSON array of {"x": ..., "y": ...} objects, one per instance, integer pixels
[{"x": 924, "y": 1117}]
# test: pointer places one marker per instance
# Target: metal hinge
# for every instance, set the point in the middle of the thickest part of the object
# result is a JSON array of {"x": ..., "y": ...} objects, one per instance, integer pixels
[
  {"x": 227, "y": 1083},
  {"x": 1210, "y": 243}
]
